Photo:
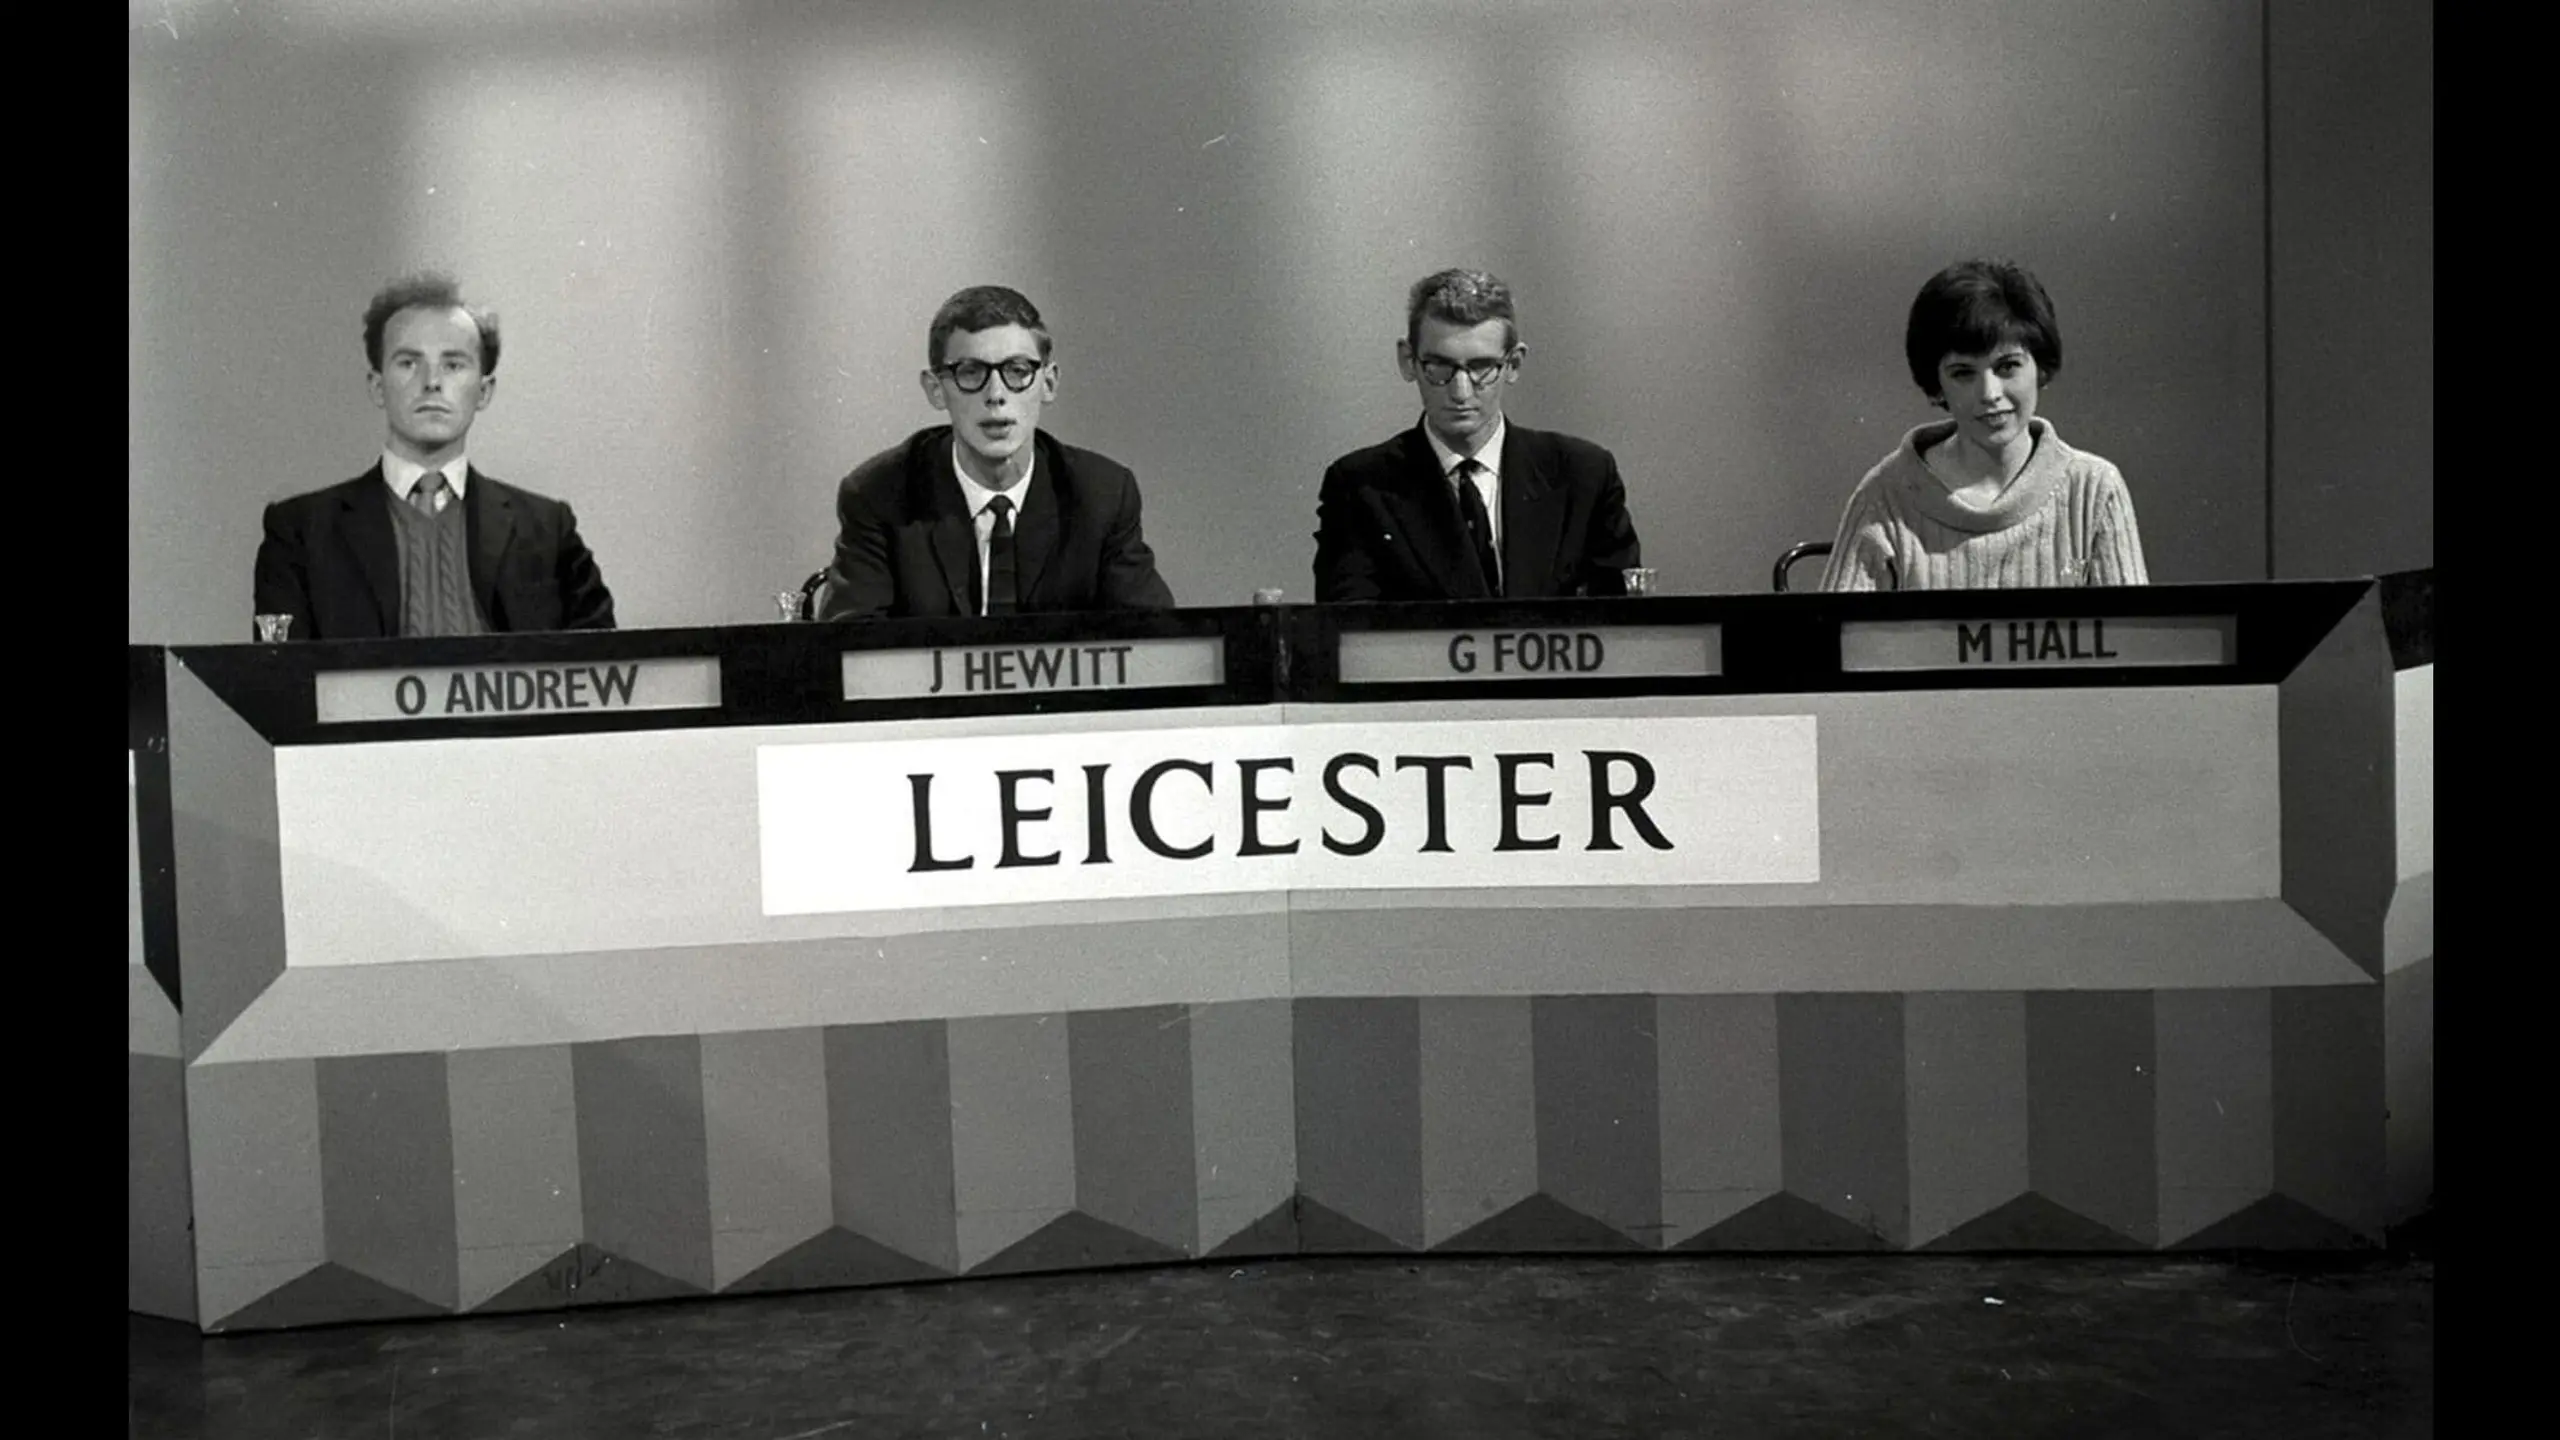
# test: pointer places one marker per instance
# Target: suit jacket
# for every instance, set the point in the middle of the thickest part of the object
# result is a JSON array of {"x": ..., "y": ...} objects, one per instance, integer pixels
[
  {"x": 906, "y": 544},
  {"x": 1388, "y": 527},
  {"x": 331, "y": 561}
]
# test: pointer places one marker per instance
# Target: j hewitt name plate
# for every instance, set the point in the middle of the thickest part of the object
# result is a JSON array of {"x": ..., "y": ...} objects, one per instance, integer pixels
[
  {"x": 490, "y": 692},
  {"x": 2040, "y": 643},
  {"x": 1611, "y": 652},
  {"x": 1019, "y": 669}
]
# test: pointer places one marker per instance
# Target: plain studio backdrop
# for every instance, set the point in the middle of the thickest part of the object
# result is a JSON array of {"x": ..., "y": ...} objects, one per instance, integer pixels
[{"x": 716, "y": 232}]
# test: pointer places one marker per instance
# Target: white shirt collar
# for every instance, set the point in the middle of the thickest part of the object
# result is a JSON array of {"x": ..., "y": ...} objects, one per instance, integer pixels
[
  {"x": 1489, "y": 456},
  {"x": 403, "y": 475},
  {"x": 978, "y": 495}
]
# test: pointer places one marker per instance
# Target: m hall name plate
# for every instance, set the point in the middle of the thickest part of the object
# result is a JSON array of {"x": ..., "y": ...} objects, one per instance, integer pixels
[{"x": 2038, "y": 643}]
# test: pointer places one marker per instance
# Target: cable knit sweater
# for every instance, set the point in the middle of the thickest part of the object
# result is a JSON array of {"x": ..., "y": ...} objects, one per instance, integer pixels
[{"x": 2066, "y": 520}]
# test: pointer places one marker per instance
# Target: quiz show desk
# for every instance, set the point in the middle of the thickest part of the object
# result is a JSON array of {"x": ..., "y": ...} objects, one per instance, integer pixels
[{"x": 523, "y": 972}]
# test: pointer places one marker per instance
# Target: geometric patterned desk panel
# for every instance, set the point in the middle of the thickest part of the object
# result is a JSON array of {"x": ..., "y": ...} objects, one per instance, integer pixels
[{"x": 393, "y": 1185}]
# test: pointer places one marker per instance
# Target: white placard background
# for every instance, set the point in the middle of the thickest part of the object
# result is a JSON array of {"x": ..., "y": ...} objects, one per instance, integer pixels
[{"x": 1737, "y": 797}]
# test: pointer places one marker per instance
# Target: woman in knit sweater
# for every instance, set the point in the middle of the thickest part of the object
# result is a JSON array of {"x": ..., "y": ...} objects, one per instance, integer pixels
[{"x": 1989, "y": 497}]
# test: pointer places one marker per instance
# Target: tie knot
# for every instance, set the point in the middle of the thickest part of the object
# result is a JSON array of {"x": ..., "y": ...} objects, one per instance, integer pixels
[
  {"x": 1000, "y": 507},
  {"x": 428, "y": 492}
]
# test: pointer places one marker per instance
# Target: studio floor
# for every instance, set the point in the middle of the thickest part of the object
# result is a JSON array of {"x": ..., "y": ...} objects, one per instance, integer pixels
[{"x": 1467, "y": 1348}]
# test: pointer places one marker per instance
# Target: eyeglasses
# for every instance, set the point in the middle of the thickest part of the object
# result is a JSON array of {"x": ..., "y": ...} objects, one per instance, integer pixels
[
  {"x": 1438, "y": 372},
  {"x": 971, "y": 375}
]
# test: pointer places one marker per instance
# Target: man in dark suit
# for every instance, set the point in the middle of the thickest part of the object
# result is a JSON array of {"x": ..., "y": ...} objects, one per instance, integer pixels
[
  {"x": 424, "y": 543},
  {"x": 988, "y": 515},
  {"x": 1466, "y": 505}
]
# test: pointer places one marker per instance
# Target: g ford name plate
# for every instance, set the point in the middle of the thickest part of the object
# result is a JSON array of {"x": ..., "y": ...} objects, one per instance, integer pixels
[
  {"x": 2041, "y": 643},
  {"x": 1610, "y": 652},
  {"x": 1029, "y": 669},
  {"x": 492, "y": 692}
]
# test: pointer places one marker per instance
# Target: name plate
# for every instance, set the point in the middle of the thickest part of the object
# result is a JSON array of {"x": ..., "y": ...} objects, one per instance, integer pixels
[
  {"x": 2037, "y": 644},
  {"x": 489, "y": 692},
  {"x": 1609, "y": 652},
  {"x": 1035, "y": 669}
]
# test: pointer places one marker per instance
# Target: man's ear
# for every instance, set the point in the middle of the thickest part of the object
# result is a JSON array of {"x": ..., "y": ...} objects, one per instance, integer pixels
[
  {"x": 1404, "y": 360},
  {"x": 933, "y": 395},
  {"x": 373, "y": 390},
  {"x": 488, "y": 392},
  {"x": 1048, "y": 382}
]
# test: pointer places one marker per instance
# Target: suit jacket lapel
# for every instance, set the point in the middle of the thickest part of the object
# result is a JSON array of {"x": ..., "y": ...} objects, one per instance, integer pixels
[
  {"x": 1036, "y": 533},
  {"x": 955, "y": 539},
  {"x": 1429, "y": 514},
  {"x": 489, "y": 517},
  {"x": 1532, "y": 517},
  {"x": 366, "y": 528}
]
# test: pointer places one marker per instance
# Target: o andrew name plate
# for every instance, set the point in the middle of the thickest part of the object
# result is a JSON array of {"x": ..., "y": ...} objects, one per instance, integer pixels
[{"x": 489, "y": 692}]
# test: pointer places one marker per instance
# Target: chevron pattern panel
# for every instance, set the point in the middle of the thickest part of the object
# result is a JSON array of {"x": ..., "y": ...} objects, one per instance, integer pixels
[{"x": 379, "y": 1186}]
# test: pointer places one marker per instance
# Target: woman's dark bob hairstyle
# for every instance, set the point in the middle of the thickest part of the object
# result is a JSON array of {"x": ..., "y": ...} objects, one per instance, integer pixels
[{"x": 1973, "y": 307}]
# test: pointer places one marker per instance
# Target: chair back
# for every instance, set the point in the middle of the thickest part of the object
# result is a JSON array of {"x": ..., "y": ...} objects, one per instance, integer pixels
[{"x": 1805, "y": 551}]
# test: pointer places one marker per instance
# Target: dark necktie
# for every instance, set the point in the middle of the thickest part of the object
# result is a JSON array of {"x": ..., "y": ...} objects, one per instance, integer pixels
[
  {"x": 1001, "y": 596},
  {"x": 1479, "y": 525},
  {"x": 423, "y": 494}
]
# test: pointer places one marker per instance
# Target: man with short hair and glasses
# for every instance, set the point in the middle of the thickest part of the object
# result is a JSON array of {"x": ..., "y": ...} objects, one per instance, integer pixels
[
  {"x": 1466, "y": 505},
  {"x": 990, "y": 514}
]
